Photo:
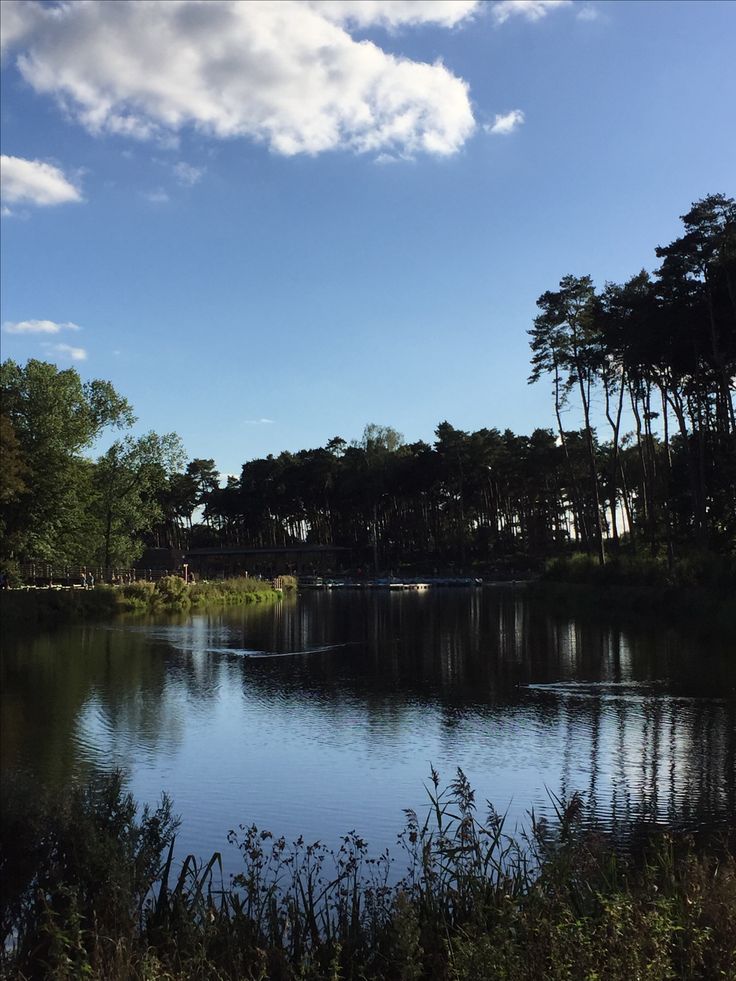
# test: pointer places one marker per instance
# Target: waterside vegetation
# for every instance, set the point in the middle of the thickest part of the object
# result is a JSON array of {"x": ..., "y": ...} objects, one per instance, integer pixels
[
  {"x": 169, "y": 594},
  {"x": 699, "y": 590},
  {"x": 91, "y": 889}
]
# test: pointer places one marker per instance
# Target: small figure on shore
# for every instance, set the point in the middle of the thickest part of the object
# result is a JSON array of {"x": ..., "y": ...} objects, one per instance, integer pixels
[
  {"x": 91, "y": 580},
  {"x": 4, "y": 583},
  {"x": 84, "y": 580}
]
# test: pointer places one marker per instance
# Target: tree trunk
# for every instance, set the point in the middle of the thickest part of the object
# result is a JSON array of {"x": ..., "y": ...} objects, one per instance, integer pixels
[{"x": 593, "y": 467}]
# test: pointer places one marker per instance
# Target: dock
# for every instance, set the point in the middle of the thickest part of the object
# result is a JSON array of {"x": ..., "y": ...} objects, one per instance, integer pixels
[{"x": 391, "y": 583}]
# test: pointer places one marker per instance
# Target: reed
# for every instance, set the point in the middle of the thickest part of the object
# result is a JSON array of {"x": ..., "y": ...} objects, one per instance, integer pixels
[{"x": 91, "y": 890}]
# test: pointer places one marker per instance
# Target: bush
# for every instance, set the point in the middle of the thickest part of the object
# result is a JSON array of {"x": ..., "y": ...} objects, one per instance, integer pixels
[
  {"x": 11, "y": 568},
  {"x": 136, "y": 597},
  {"x": 172, "y": 593}
]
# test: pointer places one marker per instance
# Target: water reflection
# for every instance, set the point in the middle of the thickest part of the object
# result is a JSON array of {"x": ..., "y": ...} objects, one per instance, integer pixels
[{"x": 643, "y": 721}]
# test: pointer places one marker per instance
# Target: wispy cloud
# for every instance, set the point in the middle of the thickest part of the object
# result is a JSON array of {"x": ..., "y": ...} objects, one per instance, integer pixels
[
  {"x": 259, "y": 422},
  {"x": 396, "y": 13},
  {"x": 67, "y": 352},
  {"x": 289, "y": 75},
  {"x": 186, "y": 174},
  {"x": 506, "y": 123},
  {"x": 157, "y": 196},
  {"x": 34, "y": 182},
  {"x": 531, "y": 10},
  {"x": 38, "y": 326},
  {"x": 588, "y": 14}
]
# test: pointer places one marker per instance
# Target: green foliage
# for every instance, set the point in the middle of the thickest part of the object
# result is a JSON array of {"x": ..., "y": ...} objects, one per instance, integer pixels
[
  {"x": 14, "y": 469},
  {"x": 92, "y": 889},
  {"x": 56, "y": 504},
  {"x": 230, "y": 592},
  {"x": 136, "y": 597},
  {"x": 51, "y": 418},
  {"x": 125, "y": 483},
  {"x": 172, "y": 593}
]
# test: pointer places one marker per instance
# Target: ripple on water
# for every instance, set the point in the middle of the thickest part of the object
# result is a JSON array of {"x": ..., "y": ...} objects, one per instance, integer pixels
[{"x": 324, "y": 715}]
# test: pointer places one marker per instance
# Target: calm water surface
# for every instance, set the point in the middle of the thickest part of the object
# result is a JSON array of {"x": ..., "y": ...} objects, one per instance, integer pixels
[{"x": 322, "y": 714}]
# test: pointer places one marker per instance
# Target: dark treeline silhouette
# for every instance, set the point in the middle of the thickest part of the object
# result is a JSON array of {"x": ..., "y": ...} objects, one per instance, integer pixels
[
  {"x": 651, "y": 360},
  {"x": 644, "y": 369}
]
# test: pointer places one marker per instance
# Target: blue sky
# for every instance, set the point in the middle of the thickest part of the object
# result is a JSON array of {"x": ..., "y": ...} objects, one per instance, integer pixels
[{"x": 274, "y": 225}]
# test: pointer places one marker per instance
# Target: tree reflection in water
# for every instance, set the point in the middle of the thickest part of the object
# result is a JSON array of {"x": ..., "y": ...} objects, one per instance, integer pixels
[{"x": 640, "y": 718}]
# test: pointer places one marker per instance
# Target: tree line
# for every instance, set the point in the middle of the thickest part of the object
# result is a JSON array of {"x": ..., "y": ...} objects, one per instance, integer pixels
[{"x": 646, "y": 367}]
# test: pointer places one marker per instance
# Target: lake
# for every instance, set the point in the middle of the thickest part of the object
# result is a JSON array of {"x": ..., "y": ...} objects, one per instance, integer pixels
[{"x": 321, "y": 714}]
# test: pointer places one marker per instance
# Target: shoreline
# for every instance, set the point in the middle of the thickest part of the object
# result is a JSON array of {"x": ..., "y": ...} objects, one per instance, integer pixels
[
  {"x": 697, "y": 606},
  {"x": 49, "y": 606}
]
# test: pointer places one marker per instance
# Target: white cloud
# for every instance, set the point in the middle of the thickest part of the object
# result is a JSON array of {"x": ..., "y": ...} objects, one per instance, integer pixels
[
  {"x": 259, "y": 422},
  {"x": 66, "y": 351},
  {"x": 157, "y": 196},
  {"x": 34, "y": 182},
  {"x": 18, "y": 21},
  {"x": 186, "y": 174},
  {"x": 528, "y": 9},
  {"x": 38, "y": 327},
  {"x": 395, "y": 13},
  {"x": 588, "y": 14},
  {"x": 506, "y": 123},
  {"x": 287, "y": 74}
]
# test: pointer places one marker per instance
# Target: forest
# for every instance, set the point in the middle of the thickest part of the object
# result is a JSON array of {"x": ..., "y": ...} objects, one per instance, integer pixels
[{"x": 641, "y": 454}]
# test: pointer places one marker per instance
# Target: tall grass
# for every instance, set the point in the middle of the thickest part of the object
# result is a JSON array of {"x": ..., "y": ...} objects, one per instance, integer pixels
[
  {"x": 92, "y": 891},
  {"x": 169, "y": 594}
]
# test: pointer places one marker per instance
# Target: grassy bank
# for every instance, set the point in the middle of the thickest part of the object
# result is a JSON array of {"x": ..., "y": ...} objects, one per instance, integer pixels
[
  {"x": 171, "y": 594},
  {"x": 90, "y": 890},
  {"x": 700, "y": 589}
]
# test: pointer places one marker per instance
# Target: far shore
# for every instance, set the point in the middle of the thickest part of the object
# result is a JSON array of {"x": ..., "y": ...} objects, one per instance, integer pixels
[
  {"x": 48, "y": 605},
  {"x": 574, "y": 587}
]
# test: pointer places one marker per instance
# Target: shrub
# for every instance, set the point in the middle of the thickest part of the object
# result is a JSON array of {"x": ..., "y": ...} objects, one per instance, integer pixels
[
  {"x": 136, "y": 597},
  {"x": 172, "y": 593}
]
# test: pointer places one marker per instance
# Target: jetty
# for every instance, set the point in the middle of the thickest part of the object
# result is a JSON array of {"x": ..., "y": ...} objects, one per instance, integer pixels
[{"x": 389, "y": 582}]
